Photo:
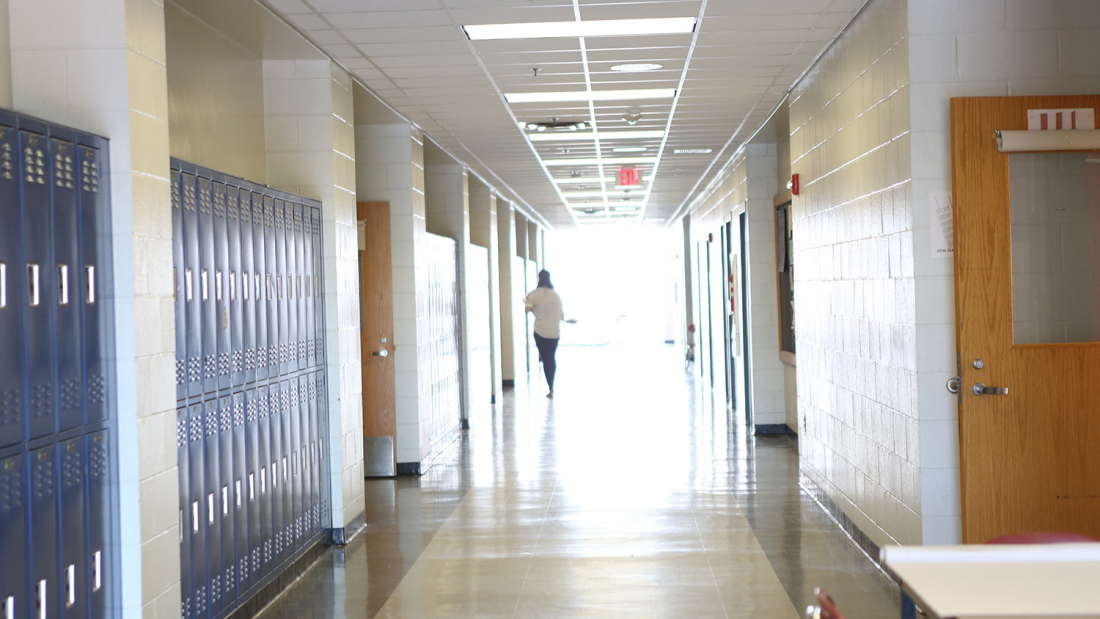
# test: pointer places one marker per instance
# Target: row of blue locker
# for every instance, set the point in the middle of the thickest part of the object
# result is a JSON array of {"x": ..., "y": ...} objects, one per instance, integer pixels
[
  {"x": 55, "y": 317},
  {"x": 247, "y": 270},
  {"x": 252, "y": 495},
  {"x": 55, "y": 520}
]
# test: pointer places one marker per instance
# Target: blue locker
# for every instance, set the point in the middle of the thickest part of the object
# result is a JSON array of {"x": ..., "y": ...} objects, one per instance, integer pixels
[
  {"x": 318, "y": 288},
  {"x": 280, "y": 284},
  {"x": 271, "y": 272},
  {"x": 239, "y": 492},
  {"x": 226, "y": 516},
  {"x": 300, "y": 285},
  {"x": 322, "y": 455},
  {"x": 74, "y": 582},
  {"x": 196, "y": 512},
  {"x": 14, "y": 585},
  {"x": 263, "y": 488},
  {"x": 95, "y": 270},
  {"x": 44, "y": 594},
  {"x": 69, "y": 284},
  {"x": 236, "y": 296},
  {"x": 259, "y": 277},
  {"x": 212, "y": 505},
  {"x": 99, "y": 520},
  {"x": 38, "y": 279},
  {"x": 12, "y": 299},
  {"x": 293, "y": 222},
  {"x": 311, "y": 439},
  {"x": 254, "y": 457},
  {"x": 286, "y": 483},
  {"x": 191, "y": 295},
  {"x": 177, "y": 283},
  {"x": 310, "y": 329},
  {"x": 183, "y": 462},
  {"x": 297, "y": 459},
  {"x": 278, "y": 510},
  {"x": 208, "y": 298},
  {"x": 222, "y": 336},
  {"x": 248, "y": 288}
]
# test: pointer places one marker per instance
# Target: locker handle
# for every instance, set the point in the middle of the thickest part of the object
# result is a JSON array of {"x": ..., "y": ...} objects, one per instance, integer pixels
[
  {"x": 97, "y": 569},
  {"x": 244, "y": 286},
  {"x": 263, "y": 480},
  {"x": 238, "y": 487},
  {"x": 259, "y": 288},
  {"x": 225, "y": 500},
  {"x": 32, "y": 277},
  {"x": 233, "y": 286},
  {"x": 89, "y": 284},
  {"x": 3, "y": 285},
  {"x": 205, "y": 283},
  {"x": 218, "y": 285},
  {"x": 299, "y": 286},
  {"x": 181, "y": 525},
  {"x": 270, "y": 288},
  {"x": 70, "y": 586},
  {"x": 309, "y": 288},
  {"x": 275, "y": 474},
  {"x": 251, "y": 487},
  {"x": 286, "y": 473},
  {"x": 40, "y": 599},
  {"x": 280, "y": 288},
  {"x": 62, "y": 284},
  {"x": 9, "y": 607},
  {"x": 210, "y": 506},
  {"x": 195, "y": 516},
  {"x": 188, "y": 284}
]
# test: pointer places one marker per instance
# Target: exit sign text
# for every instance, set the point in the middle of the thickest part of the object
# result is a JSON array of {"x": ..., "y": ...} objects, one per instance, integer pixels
[{"x": 629, "y": 177}]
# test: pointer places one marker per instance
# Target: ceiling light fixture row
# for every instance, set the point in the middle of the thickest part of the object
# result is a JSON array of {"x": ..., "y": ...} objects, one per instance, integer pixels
[
  {"x": 593, "y": 28},
  {"x": 554, "y": 125}
]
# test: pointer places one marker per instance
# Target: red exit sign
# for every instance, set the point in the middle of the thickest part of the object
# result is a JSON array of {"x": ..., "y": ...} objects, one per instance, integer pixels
[{"x": 629, "y": 177}]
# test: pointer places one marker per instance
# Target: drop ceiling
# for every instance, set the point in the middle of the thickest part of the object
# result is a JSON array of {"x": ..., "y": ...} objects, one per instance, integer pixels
[{"x": 728, "y": 75}]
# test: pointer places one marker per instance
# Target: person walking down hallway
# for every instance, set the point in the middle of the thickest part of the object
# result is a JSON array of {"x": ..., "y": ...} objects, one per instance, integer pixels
[{"x": 545, "y": 304}]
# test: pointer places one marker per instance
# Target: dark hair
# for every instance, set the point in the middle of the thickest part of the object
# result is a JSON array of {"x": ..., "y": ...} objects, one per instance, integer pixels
[{"x": 544, "y": 279}]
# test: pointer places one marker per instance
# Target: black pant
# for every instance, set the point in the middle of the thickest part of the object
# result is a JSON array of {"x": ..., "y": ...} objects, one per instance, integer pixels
[{"x": 547, "y": 347}]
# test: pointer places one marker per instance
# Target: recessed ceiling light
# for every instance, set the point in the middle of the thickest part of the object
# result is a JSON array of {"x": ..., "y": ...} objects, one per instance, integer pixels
[
  {"x": 596, "y": 161},
  {"x": 604, "y": 136},
  {"x": 577, "y": 178},
  {"x": 597, "y": 193},
  {"x": 692, "y": 151},
  {"x": 595, "y": 28},
  {"x": 629, "y": 149},
  {"x": 575, "y": 96},
  {"x": 637, "y": 67}
]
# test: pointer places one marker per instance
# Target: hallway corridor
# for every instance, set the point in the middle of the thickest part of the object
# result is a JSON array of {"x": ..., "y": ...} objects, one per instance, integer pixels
[{"x": 628, "y": 495}]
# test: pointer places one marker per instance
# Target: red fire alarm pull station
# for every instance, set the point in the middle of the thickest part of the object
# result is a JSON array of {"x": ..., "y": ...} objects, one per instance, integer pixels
[
  {"x": 629, "y": 177},
  {"x": 794, "y": 184}
]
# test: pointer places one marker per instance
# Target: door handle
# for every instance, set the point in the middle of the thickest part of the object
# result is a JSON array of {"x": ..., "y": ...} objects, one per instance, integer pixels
[
  {"x": 980, "y": 389},
  {"x": 380, "y": 353}
]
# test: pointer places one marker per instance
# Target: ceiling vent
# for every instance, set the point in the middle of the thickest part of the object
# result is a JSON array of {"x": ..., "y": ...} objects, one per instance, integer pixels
[{"x": 692, "y": 151}]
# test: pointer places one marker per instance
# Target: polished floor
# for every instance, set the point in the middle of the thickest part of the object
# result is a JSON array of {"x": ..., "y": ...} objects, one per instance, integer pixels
[{"x": 630, "y": 494}]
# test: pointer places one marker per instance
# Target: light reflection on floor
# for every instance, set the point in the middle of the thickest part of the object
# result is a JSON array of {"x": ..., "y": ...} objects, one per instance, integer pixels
[{"x": 630, "y": 494}]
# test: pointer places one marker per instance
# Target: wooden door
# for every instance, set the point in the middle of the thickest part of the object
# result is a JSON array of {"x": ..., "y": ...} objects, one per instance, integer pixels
[
  {"x": 1029, "y": 458},
  {"x": 376, "y": 333}
]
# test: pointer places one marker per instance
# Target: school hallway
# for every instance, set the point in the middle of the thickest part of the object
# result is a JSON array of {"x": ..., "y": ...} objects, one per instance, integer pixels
[{"x": 630, "y": 494}]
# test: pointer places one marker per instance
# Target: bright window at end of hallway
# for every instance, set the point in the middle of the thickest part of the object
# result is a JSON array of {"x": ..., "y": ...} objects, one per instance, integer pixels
[{"x": 784, "y": 253}]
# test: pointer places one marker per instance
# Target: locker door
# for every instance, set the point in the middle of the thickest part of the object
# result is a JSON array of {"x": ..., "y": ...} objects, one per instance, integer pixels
[
  {"x": 322, "y": 456},
  {"x": 99, "y": 518},
  {"x": 278, "y": 509},
  {"x": 221, "y": 285},
  {"x": 191, "y": 296},
  {"x": 14, "y": 586},
  {"x": 38, "y": 279},
  {"x": 271, "y": 267},
  {"x": 309, "y": 331},
  {"x": 207, "y": 267},
  {"x": 211, "y": 505},
  {"x": 248, "y": 289},
  {"x": 12, "y": 368},
  {"x": 304, "y": 465},
  {"x": 236, "y": 296},
  {"x": 226, "y": 516},
  {"x": 177, "y": 282},
  {"x": 67, "y": 275},
  {"x": 291, "y": 419},
  {"x": 259, "y": 278},
  {"x": 95, "y": 217},
  {"x": 294, "y": 278},
  {"x": 299, "y": 282},
  {"x": 280, "y": 285},
  {"x": 74, "y": 582},
  {"x": 183, "y": 462},
  {"x": 44, "y": 593},
  {"x": 318, "y": 288},
  {"x": 239, "y": 492},
  {"x": 196, "y": 512},
  {"x": 252, "y": 484},
  {"x": 263, "y": 488}
]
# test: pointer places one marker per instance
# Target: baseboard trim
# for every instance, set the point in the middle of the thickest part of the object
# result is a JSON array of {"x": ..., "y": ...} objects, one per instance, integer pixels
[
  {"x": 773, "y": 429},
  {"x": 509, "y": 383},
  {"x": 342, "y": 536},
  {"x": 408, "y": 468}
]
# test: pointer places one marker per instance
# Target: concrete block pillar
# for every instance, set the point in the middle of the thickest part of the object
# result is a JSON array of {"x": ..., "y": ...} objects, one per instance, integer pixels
[
  {"x": 506, "y": 243},
  {"x": 521, "y": 286},
  {"x": 534, "y": 245},
  {"x": 483, "y": 232}
]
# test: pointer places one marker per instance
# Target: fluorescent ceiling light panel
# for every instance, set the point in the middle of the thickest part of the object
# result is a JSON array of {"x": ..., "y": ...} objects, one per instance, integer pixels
[
  {"x": 583, "y": 96},
  {"x": 596, "y": 193},
  {"x": 597, "y": 161},
  {"x": 637, "y": 67},
  {"x": 604, "y": 136},
  {"x": 594, "y": 28},
  {"x": 629, "y": 149},
  {"x": 584, "y": 180}
]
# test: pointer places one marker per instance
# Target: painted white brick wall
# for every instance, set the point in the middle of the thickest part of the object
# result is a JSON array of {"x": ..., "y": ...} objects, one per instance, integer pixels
[
  {"x": 854, "y": 280},
  {"x": 972, "y": 48}
]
